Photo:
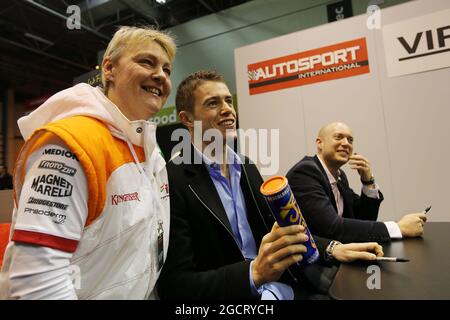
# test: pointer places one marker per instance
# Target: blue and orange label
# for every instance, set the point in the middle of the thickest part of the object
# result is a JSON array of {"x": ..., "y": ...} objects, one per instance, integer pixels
[{"x": 286, "y": 211}]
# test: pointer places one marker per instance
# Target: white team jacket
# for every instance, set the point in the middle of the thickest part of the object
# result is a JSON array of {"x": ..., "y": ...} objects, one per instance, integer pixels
[{"x": 113, "y": 235}]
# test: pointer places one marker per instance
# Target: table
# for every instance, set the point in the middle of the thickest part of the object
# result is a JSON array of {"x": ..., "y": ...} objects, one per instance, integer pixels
[{"x": 425, "y": 276}]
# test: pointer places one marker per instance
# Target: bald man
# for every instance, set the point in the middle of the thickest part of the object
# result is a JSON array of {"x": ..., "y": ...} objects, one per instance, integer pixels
[{"x": 330, "y": 206}]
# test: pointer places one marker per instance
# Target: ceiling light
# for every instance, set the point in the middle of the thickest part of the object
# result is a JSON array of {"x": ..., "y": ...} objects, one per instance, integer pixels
[{"x": 161, "y": 1}]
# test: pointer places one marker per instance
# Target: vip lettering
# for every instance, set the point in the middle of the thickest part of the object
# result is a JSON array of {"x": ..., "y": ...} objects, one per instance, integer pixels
[
  {"x": 119, "y": 198},
  {"x": 47, "y": 203},
  {"x": 52, "y": 185},
  {"x": 442, "y": 33},
  {"x": 58, "y": 166},
  {"x": 61, "y": 152},
  {"x": 308, "y": 63},
  {"x": 57, "y": 218}
]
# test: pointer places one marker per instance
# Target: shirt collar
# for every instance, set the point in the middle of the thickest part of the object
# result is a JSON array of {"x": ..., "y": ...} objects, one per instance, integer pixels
[
  {"x": 330, "y": 177},
  {"x": 232, "y": 159}
]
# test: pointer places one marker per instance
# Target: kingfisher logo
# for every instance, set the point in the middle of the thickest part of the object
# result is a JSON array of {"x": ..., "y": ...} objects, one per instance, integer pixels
[
  {"x": 337, "y": 61},
  {"x": 119, "y": 198}
]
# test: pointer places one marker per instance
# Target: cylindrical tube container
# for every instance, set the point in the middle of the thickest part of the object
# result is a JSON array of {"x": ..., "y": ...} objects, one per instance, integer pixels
[{"x": 286, "y": 212}]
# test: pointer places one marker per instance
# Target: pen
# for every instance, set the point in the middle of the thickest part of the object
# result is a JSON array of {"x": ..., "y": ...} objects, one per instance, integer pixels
[
  {"x": 392, "y": 259},
  {"x": 427, "y": 209}
]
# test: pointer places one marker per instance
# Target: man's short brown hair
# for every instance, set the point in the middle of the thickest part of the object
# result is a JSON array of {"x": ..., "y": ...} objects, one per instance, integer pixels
[{"x": 185, "y": 99}]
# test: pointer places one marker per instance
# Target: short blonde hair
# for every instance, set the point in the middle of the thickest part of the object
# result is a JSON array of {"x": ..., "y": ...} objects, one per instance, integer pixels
[{"x": 127, "y": 35}]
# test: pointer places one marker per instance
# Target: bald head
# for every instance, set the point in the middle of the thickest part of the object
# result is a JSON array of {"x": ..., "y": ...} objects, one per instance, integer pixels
[
  {"x": 335, "y": 144},
  {"x": 331, "y": 127}
]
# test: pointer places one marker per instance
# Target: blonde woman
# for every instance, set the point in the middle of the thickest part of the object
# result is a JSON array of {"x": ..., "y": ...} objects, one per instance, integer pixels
[{"x": 91, "y": 215}]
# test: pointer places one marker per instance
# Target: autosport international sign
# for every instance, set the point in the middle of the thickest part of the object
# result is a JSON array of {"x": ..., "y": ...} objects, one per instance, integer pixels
[{"x": 342, "y": 60}]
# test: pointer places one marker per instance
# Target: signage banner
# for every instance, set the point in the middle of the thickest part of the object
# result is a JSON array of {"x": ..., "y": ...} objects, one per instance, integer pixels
[
  {"x": 345, "y": 59},
  {"x": 417, "y": 45}
]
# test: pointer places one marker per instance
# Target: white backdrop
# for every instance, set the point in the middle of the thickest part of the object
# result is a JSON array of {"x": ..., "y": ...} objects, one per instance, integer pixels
[{"x": 401, "y": 123}]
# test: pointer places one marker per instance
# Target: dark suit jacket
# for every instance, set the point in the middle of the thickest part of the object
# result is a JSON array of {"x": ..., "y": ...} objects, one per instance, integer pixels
[
  {"x": 311, "y": 187},
  {"x": 204, "y": 260},
  {"x": 6, "y": 182}
]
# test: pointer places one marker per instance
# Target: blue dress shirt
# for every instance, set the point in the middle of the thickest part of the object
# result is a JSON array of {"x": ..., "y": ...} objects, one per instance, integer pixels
[{"x": 233, "y": 201}]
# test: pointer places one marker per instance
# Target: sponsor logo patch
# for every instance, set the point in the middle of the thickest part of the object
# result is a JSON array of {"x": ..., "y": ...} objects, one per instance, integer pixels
[
  {"x": 164, "y": 190},
  {"x": 57, "y": 166},
  {"x": 52, "y": 185},
  {"x": 60, "y": 152},
  {"x": 48, "y": 203},
  {"x": 56, "y": 217},
  {"x": 119, "y": 198}
]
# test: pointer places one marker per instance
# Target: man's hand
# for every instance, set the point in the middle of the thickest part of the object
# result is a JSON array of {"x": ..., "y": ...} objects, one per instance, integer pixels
[
  {"x": 411, "y": 225},
  {"x": 357, "y": 251},
  {"x": 279, "y": 249},
  {"x": 362, "y": 165}
]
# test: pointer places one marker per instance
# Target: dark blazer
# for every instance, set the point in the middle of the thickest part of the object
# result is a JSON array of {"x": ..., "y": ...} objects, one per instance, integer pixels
[
  {"x": 312, "y": 189},
  {"x": 6, "y": 181},
  {"x": 204, "y": 260}
]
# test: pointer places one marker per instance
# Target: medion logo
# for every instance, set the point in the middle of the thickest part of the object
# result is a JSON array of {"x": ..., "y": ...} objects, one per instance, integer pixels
[
  {"x": 52, "y": 185},
  {"x": 119, "y": 198},
  {"x": 411, "y": 47},
  {"x": 61, "y": 152}
]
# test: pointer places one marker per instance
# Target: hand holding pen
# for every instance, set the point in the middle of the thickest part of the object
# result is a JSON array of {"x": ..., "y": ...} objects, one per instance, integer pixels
[
  {"x": 421, "y": 221},
  {"x": 411, "y": 225}
]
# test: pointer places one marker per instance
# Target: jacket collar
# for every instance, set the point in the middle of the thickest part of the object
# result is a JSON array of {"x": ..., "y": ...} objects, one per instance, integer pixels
[
  {"x": 326, "y": 180},
  {"x": 138, "y": 132},
  {"x": 203, "y": 187}
]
